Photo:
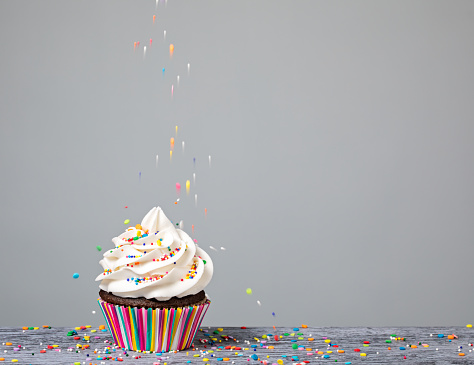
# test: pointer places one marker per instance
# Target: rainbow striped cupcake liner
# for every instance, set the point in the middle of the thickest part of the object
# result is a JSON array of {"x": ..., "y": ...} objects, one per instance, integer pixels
[{"x": 153, "y": 330}]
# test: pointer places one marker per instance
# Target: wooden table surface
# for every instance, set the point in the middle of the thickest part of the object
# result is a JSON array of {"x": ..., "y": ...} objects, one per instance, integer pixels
[{"x": 241, "y": 345}]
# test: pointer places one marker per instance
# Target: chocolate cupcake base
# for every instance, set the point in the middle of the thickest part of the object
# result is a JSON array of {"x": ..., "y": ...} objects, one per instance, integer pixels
[
  {"x": 141, "y": 302},
  {"x": 153, "y": 329}
]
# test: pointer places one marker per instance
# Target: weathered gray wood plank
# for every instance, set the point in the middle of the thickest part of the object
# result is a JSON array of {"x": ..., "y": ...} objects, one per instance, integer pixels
[{"x": 347, "y": 339}]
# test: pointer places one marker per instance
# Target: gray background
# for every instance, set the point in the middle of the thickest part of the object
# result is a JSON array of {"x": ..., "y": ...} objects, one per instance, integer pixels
[{"x": 341, "y": 137}]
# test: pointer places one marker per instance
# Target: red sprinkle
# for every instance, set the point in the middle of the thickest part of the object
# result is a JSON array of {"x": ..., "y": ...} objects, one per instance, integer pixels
[
  {"x": 243, "y": 328},
  {"x": 357, "y": 350}
]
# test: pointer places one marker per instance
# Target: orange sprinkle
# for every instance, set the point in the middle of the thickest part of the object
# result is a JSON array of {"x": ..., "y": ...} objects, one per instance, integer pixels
[
  {"x": 304, "y": 326},
  {"x": 24, "y": 328},
  {"x": 45, "y": 326},
  {"x": 311, "y": 339},
  {"x": 8, "y": 344},
  {"x": 340, "y": 351},
  {"x": 102, "y": 327},
  {"x": 461, "y": 354},
  {"x": 389, "y": 348},
  {"x": 226, "y": 359},
  {"x": 2, "y": 359},
  {"x": 270, "y": 347}
]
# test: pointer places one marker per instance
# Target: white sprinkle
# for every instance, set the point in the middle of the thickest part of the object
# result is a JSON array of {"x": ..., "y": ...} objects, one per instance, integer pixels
[
  {"x": 183, "y": 146},
  {"x": 258, "y": 302},
  {"x": 144, "y": 52},
  {"x": 189, "y": 67},
  {"x": 195, "y": 200},
  {"x": 212, "y": 248},
  {"x": 223, "y": 248},
  {"x": 209, "y": 160},
  {"x": 181, "y": 224},
  {"x": 93, "y": 312},
  {"x": 177, "y": 80},
  {"x": 177, "y": 200}
]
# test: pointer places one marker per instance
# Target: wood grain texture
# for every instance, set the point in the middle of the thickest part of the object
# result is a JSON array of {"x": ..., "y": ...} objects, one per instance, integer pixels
[{"x": 348, "y": 339}]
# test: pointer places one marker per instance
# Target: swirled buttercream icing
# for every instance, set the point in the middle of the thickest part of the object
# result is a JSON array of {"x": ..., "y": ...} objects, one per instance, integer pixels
[{"x": 155, "y": 260}]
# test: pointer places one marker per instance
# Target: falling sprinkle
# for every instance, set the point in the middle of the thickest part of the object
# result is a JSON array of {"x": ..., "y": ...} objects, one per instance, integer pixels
[
  {"x": 258, "y": 302},
  {"x": 181, "y": 224},
  {"x": 212, "y": 248},
  {"x": 171, "y": 154},
  {"x": 182, "y": 144},
  {"x": 164, "y": 34},
  {"x": 144, "y": 52},
  {"x": 178, "y": 188},
  {"x": 195, "y": 200},
  {"x": 194, "y": 178},
  {"x": 140, "y": 176},
  {"x": 273, "y": 314},
  {"x": 93, "y": 312},
  {"x": 126, "y": 221},
  {"x": 189, "y": 68},
  {"x": 223, "y": 248},
  {"x": 134, "y": 45},
  {"x": 126, "y": 206},
  {"x": 156, "y": 6},
  {"x": 151, "y": 41},
  {"x": 192, "y": 227},
  {"x": 177, "y": 80},
  {"x": 99, "y": 248},
  {"x": 154, "y": 17},
  {"x": 249, "y": 291},
  {"x": 209, "y": 160},
  {"x": 205, "y": 212},
  {"x": 171, "y": 49},
  {"x": 194, "y": 161},
  {"x": 163, "y": 71},
  {"x": 75, "y": 275},
  {"x": 172, "y": 90},
  {"x": 176, "y": 131},
  {"x": 156, "y": 160},
  {"x": 188, "y": 186}
]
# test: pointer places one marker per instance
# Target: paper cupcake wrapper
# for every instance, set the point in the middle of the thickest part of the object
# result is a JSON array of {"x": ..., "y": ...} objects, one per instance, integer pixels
[{"x": 154, "y": 330}]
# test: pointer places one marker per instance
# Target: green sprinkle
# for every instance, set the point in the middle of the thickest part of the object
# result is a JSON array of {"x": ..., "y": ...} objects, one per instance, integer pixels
[
  {"x": 98, "y": 248},
  {"x": 248, "y": 291},
  {"x": 135, "y": 238},
  {"x": 204, "y": 262},
  {"x": 126, "y": 221},
  {"x": 295, "y": 346},
  {"x": 286, "y": 334},
  {"x": 388, "y": 341}
]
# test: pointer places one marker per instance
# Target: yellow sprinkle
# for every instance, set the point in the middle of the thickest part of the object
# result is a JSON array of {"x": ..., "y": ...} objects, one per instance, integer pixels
[
  {"x": 55, "y": 345},
  {"x": 327, "y": 341},
  {"x": 292, "y": 334},
  {"x": 187, "y": 353},
  {"x": 264, "y": 336},
  {"x": 196, "y": 355},
  {"x": 280, "y": 362},
  {"x": 210, "y": 351},
  {"x": 93, "y": 331},
  {"x": 245, "y": 349},
  {"x": 363, "y": 354},
  {"x": 469, "y": 325},
  {"x": 89, "y": 326},
  {"x": 219, "y": 329},
  {"x": 77, "y": 328},
  {"x": 205, "y": 359},
  {"x": 329, "y": 352},
  {"x": 14, "y": 360},
  {"x": 36, "y": 328}
]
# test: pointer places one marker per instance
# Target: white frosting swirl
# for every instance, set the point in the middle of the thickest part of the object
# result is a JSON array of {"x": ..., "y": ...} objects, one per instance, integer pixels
[{"x": 155, "y": 260}]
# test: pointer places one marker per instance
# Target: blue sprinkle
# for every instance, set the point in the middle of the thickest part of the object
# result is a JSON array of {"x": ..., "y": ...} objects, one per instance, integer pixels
[
  {"x": 253, "y": 346},
  {"x": 255, "y": 357},
  {"x": 348, "y": 363},
  {"x": 326, "y": 356},
  {"x": 402, "y": 348},
  {"x": 220, "y": 359},
  {"x": 440, "y": 335},
  {"x": 75, "y": 275},
  {"x": 296, "y": 329}
]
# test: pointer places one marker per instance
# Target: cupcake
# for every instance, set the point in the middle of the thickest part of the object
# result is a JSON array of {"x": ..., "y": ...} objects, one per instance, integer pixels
[{"x": 152, "y": 288}]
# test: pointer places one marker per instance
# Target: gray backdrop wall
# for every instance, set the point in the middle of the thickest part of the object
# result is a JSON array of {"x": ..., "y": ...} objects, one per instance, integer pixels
[{"x": 341, "y": 136}]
